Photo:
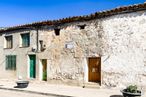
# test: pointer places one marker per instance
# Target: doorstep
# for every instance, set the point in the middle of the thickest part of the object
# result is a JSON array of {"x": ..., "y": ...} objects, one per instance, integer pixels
[{"x": 92, "y": 85}]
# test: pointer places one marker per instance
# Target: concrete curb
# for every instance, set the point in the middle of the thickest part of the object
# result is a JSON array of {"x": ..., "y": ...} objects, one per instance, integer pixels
[{"x": 34, "y": 92}]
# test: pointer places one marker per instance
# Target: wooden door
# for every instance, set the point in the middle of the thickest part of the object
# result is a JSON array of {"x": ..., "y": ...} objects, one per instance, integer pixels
[
  {"x": 32, "y": 66},
  {"x": 44, "y": 64},
  {"x": 94, "y": 69}
]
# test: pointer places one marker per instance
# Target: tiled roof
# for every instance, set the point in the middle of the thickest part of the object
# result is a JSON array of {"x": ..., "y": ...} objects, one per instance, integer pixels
[{"x": 102, "y": 14}]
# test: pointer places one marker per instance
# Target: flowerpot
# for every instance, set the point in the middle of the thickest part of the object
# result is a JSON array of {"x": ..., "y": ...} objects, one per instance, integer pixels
[
  {"x": 128, "y": 94},
  {"x": 22, "y": 84}
]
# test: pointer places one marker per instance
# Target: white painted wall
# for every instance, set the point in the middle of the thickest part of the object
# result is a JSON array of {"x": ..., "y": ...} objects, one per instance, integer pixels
[
  {"x": 22, "y": 63},
  {"x": 124, "y": 37}
]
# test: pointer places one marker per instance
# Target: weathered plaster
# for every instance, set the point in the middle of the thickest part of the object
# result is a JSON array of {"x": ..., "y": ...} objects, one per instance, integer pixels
[{"x": 125, "y": 37}]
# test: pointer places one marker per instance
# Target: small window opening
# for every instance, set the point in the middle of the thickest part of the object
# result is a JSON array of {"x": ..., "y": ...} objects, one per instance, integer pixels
[
  {"x": 42, "y": 46},
  {"x": 9, "y": 42},
  {"x": 82, "y": 26},
  {"x": 57, "y": 32}
]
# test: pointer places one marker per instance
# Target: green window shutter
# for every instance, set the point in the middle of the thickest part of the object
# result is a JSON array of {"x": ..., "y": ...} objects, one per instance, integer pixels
[
  {"x": 25, "y": 40},
  {"x": 14, "y": 62},
  {"x": 28, "y": 41},
  {"x": 11, "y": 62},
  {"x": 6, "y": 62}
]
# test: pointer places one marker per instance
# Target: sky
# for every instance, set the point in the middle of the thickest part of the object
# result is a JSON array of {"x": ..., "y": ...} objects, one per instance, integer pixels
[{"x": 18, "y": 12}]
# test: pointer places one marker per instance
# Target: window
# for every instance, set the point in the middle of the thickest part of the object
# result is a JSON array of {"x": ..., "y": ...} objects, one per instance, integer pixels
[
  {"x": 10, "y": 62},
  {"x": 57, "y": 32},
  {"x": 42, "y": 45},
  {"x": 25, "y": 40},
  {"x": 82, "y": 26},
  {"x": 9, "y": 41}
]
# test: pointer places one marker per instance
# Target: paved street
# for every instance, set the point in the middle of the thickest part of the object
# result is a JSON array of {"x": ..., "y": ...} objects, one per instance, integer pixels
[
  {"x": 8, "y": 93},
  {"x": 37, "y": 88}
]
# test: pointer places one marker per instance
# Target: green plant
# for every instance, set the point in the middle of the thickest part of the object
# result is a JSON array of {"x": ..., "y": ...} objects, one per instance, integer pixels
[{"x": 132, "y": 89}]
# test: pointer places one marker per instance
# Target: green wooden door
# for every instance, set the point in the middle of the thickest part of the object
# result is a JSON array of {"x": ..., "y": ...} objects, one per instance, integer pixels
[
  {"x": 32, "y": 65},
  {"x": 44, "y": 63}
]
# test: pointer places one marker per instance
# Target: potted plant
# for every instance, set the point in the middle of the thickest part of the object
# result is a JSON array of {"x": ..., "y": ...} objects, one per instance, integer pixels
[
  {"x": 131, "y": 91},
  {"x": 22, "y": 84}
]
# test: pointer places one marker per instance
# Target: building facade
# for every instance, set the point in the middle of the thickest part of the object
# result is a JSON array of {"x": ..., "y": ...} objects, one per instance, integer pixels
[{"x": 106, "y": 47}]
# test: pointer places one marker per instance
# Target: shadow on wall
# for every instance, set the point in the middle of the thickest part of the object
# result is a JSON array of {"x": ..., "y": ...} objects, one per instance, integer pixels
[{"x": 116, "y": 96}]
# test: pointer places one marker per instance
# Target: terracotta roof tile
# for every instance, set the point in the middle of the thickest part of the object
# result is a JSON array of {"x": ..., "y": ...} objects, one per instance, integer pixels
[{"x": 101, "y": 14}]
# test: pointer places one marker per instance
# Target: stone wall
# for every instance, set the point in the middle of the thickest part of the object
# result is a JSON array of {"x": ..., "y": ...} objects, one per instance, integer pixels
[
  {"x": 68, "y": 53},
  {"x": 124, "y": 60},
  {"x": 119, "y": 40}
]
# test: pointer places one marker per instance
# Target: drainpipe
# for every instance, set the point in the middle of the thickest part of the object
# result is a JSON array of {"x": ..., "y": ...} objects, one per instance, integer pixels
[{"x": 37, "y": 39}]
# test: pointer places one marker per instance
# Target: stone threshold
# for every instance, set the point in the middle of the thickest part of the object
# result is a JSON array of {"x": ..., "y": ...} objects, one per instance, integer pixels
[{"x": 92, "y": 85}]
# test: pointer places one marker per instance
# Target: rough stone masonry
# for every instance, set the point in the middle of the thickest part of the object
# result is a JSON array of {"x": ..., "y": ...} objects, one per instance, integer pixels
[{"x": 119, "y": 40}]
